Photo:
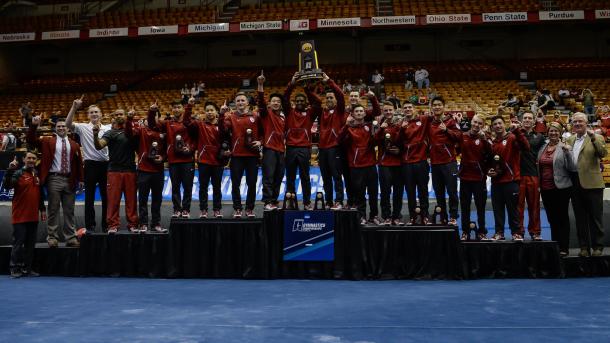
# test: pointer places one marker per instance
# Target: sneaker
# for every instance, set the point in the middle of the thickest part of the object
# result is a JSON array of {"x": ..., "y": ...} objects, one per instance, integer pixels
[
  {"x": 270, "y": 207},
  {"x": 16, "y": 274},
  {"x": 411, "y": 221},
  {"x": 132, "y": 229},
  {"x": 483, "y": 237},
  {"x": 536, "y": 237},
  {"x": 563, "y": 254},
  {"x": 185, "y": 214},
  {"x": 53, "y": 243},
  {"x": 584, "y": 252},
  {"x": 307, "y": 207},
  {"x": 204, "y": 214},
  {"x": 217, "y": 214},
  {"x": 363, "y": 221},
  {"x": 387, "y": 222},
  {"x": 337, "y": 206},
  {"x": 237, "y": 213},
  {"x": 517, "y": 237},
  {"x": 465, "y": 236},
  {"x": 598, "y": 252},
  {"x": 30, "y": 273},
  {"x": 452, "y": 222},
  {"x": 159, "y": 229},
  {"x": 143, "y": 228},
  {"x": 376, "y": 220},
  {"x": 112, "y": 231},
  {"x": 250, "y": 214},
  {"x": 498, "y": 237},
  {"x": 397, "y": 222},
  {"x": 426, "y": 221},
  {"x": 176, "y": 214}
]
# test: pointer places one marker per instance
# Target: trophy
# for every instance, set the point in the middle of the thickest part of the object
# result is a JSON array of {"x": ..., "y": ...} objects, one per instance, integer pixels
[
  {"x": 154, "y": 151},
  {"x": 319, "y": 202},
  {"x": 308, "y": 62},
  {"x": 497, "y": 165},
  {"x": 290, "y": 202},
  {"x": 181, "y": 147},
  {"x": 223, "y": 148},
  {"x": 439, "y": 218}
]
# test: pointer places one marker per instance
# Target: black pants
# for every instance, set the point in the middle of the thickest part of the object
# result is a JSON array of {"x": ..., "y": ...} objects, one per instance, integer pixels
[
  {"x": 182, "y": 174},
  {"x": 207, "y": 173},
  {"x": 238, "y": 166},
  {"x": 417, "y": 176},
  {"x": 588, "y": 212},
  {"x": 24, "y": 241},
  {"x": 478, "y": 191},
  {"x": 298, "y": 157},
  {"x": 96, "y": 175},
  {"x": 273, "y": 173},
  {"x": 150, "y": 183},
  {"x": 556, "y": 202},
  {"x": 330, "y": 162},
  {"x": 390, "y": 179},
  {"x": 444, "y": 177},
  {"x": 364, "y": 181},
  {"x": 505, "y": 196}
]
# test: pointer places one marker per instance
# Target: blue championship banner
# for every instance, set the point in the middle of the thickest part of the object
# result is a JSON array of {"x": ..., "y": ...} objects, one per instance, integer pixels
[{"x": 309, "y": 236}]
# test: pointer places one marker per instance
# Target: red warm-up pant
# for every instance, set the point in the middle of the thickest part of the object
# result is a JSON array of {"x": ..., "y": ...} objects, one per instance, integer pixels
[
  {"x": 529, "y": 192},
  {"x": 119, "y": 183}
]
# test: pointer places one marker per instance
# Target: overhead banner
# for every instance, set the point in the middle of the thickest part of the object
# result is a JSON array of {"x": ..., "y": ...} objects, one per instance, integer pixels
[
  {"x": 299, "y": 25},
  {"x": 17, "y": 37},
  {"x": 448, "y": 18},
  {"x": 393, "y": 20},
  {"x": 561, "y": 15},
  {"x": 204, "y": 28},
  {"x": 338, "y": 22},
  {"x": 504, "y": 17},
  {"x": 69, "y": 34},
  {"x": 602, "y": 14},
  {"x": 309, "y": 236},
  {"x": 157, "y": 30},
  {"x": 106, "y": 33},
  {"x": 260, "y": 25}
]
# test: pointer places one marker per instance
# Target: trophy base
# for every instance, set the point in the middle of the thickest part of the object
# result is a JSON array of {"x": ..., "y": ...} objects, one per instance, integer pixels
[{"x": 311, "y": 75}]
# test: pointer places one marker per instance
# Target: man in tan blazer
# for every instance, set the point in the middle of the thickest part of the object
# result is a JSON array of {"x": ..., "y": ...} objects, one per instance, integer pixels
[{"x": 587, "y": 202}]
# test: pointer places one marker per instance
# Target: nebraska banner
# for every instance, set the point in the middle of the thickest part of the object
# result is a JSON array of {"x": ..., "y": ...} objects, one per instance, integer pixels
[
  {"x": 504, "y": 17},
  {"x": 69, "y": 34},
  {"x": 338, "y": 22},
  {"x": 299, "y": 25},
  {"x": 105, "y": 33},
  {"x": 200, "y": 28},
  {"x": 157, "y": 30},
  {"x": 561, "y": 15},
  {"x": 260, "y": 25},
  {"x": 393, "y": 20},
  {"x": 17, "y": 37}
]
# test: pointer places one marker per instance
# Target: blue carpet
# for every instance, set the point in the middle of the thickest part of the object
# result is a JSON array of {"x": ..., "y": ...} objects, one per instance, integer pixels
[{"x": 143, "y": 310}]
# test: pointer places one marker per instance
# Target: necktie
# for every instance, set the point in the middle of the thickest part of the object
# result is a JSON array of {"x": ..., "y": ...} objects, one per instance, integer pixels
[{"x": 64, "y": 157}]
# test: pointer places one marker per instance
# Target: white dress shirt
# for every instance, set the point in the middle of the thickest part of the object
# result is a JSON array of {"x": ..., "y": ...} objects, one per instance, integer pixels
[{"x": 56, "y": 166}]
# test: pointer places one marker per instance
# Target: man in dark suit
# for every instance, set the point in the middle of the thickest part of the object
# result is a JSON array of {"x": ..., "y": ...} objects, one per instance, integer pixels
[
  {"x": 588, "y": 150},
  {"x": 61, "y": 171}
]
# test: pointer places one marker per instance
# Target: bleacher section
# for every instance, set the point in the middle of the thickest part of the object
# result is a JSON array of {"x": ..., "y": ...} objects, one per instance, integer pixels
[
  {"x": 303, "y": 9},
  {"x": 419, "y": 7},
  {"x": 161, "y": 16},
  {"x": 47, "y": 103},
  {"x": 38, "y": 23}
]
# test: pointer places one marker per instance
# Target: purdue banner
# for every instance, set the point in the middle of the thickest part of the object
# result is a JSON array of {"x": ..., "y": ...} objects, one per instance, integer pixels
[{"x": 309, "y": 236}]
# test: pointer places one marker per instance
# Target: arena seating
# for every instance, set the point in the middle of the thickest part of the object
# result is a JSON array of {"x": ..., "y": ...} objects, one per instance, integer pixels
[
  {"x": 47, "y": 103},
  {"x": 78, "y": 82},
  {"x": 419, "y": 7},
  {"x": 38, "y": 23},
  {"x": 214, "y": 78},
  {"x": 160, "y": 16},
  {"x": 302, "y": 9},
  {"x": 599, "y": 87},
  {"x": 562, "y": 68}
]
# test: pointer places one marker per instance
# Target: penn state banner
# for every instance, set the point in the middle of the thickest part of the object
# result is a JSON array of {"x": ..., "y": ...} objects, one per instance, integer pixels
[{"x": 309, "y": 236}]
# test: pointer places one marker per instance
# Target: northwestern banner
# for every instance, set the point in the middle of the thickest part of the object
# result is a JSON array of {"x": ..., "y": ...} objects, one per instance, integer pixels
[
  {"x": 309, "y": 236},
  {"x": 393, "y": 20}
]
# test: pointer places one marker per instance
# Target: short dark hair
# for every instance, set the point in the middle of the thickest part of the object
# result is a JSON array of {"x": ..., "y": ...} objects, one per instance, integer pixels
[
  {"x": 63, "y": 120},
  {"x": 437, "y": 98},
  {"x": 176, "y": 103},
  {"x": 276, "y": 95},
  {"x": 356, "y": 106},
  {"x": 213, "y": 104},
  {"x": 387, "y": 103},
  {"x": 496, "y": 117},
  {"x": 241, "y": 93},
  {"x": 300, "y": 95}
]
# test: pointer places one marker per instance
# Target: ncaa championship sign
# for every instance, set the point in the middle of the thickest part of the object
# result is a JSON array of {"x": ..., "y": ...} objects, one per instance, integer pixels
[{"x": 309, "y": 236}]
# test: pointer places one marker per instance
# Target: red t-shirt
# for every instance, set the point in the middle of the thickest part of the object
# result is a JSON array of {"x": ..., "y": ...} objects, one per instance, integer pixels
[
  {"x": 26, "y": 198},
  {"x": 547, "y": 182}
]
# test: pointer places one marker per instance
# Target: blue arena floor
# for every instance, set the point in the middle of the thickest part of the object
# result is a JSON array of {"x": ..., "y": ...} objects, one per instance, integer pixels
[{"x": 143, "y": 310}]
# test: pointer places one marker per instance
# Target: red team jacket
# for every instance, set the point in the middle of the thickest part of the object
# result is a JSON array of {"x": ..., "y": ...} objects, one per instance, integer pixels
[
  {"x": 27, "y": 195},
  {"x": 476, "y": 152},
  {"x": 359, "y": 143},
  {"x": 414, "y": 139},
  {"x": 273, "y": 125},
  {"x": 442, "y": 143},
  {"x": 508, "y": 148},
  {"x": 209, "y": 139},
  {"x": 387, "y": 159},
  {"x": 298, "y": 124},
  {"x": 146, "y": 135},
  {"x": 331, "y": 121},
  {"x": 172, "y": 128},
  {"x": 237, "y": 125}
]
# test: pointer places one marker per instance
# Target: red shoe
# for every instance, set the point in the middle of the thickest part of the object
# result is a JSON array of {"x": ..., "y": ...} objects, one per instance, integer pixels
[
  {"x": 237, "y": 214},
  {"x": 217, "y": 214},
  {"x": 250, "y": 214}
]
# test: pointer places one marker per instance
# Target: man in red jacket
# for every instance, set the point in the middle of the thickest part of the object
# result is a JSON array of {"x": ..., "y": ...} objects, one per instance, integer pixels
[
  {"x": 505, "y": 174},
  {"x": 299, "y": 121},
  {"x": 444, "y": 134},
  {"x": 180, "y": 154},
  {"x": 243, "y": 126},
  {"x": 357, "y": 138},
  {"x": 211, "y": 157},
  {"x": 273, "y": 122},
  {"x": 151, "y": 154},
  {"x": 61, "y": 171},
  {"x": 28, "y": 204},
  {"x": 413, "y": 138},
  {"x": 390, "y": 172},
  {"x": 330, "y": 157},
  {"x": 476, "y": 152}
]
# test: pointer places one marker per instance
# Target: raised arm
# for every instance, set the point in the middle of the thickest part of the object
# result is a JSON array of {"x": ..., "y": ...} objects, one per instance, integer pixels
[
  {"x": 261, "y": 103},
  {"x": 32, "y": 137},
  {"x": 286, "y": 105},
  {"x": 314, "y": 101},
  {"x": 76, "y": 104},
  {"x": 376, "y": 110}
]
